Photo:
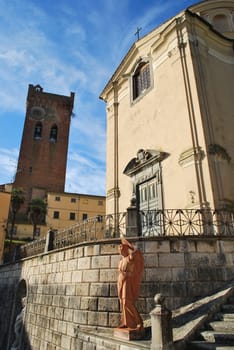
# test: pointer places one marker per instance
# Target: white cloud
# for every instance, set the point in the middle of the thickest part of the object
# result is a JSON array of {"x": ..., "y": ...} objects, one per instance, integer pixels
[
  {"x": 68, "y": 46},
  {"x": 8, "y": 161},
  {"x": 77, "y": 31},
  {"x": 85, "y": 176}
]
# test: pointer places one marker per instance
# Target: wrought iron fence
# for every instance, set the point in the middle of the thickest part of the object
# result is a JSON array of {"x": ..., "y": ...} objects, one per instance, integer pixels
[
  {"x": 168, "y": 222},
  {"x": 99, "y": 227},
  {"x": 32, "y": 248},
  {"x": 95, "y": 228},
  {"x": 178, "y": 222}
]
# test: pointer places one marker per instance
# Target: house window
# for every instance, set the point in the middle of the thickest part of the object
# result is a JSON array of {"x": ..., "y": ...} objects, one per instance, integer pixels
[
  {"x": 72, "y": 216},
  {"x": 141, "y": 80},
  {"x": 73, "y": 200},
  {"x": 84, "y": 216},
  {"x": 220, "y": 23},
  {"x": 38, "y": 131},
  {"x": 37, "y": 232},
  {"x": 100, "y": 202},
  {"x": 57, "y": 198},
  {"x": 56, "y": 214},
  {"x": 53, "y": 134},
  {"x": 99, "y": 218}
]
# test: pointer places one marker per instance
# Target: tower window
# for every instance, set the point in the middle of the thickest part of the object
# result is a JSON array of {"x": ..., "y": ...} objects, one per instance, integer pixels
[
  {"x": 141, "y": 80},
  {"x": 38, "y": 131},
  {"x": 53, "y": 134}
]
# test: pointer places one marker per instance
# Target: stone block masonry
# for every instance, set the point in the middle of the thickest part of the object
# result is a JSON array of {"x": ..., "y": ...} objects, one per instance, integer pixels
[{"x": 74, "y": 288}]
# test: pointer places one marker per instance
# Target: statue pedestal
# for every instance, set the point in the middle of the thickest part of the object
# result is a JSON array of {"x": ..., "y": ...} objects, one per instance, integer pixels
[{"x": 129, "y": 334}]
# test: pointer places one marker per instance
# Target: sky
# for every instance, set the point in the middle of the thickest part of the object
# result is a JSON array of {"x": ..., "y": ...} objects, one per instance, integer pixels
[{"x": 69, "y": 46}]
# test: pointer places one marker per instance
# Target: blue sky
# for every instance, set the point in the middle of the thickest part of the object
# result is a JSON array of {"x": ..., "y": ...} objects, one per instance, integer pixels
[{"x": 68, "y": 45}]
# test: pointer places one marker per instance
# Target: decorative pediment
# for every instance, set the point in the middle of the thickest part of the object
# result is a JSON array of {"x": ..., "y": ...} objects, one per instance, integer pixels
[{"x": 144, "y": 159}]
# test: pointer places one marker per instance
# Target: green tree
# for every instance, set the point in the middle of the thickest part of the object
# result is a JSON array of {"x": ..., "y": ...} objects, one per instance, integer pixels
[
  {"x": 17, "y": 199},
  {"x": 37, "y": 212}
]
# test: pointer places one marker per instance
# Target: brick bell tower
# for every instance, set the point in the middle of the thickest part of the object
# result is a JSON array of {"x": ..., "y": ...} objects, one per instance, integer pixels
[{"x": 44, "y": 145}]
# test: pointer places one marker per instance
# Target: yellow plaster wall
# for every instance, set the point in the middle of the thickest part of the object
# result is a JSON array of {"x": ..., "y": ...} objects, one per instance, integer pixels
[
  {"x": 4, "y": 210},
  {"x": 84, "y": 204}
]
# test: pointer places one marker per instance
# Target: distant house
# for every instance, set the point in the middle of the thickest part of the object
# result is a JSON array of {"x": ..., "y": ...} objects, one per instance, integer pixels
[
  {"x": 5, "y": 198},
  {"x": 66, "y": 209},
  {"x": 170, "y": 121},
  {"x": 63, "y": 210}
]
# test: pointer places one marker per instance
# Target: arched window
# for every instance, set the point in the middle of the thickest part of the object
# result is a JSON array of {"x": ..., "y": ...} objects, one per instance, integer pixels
[
  {"x": 38, "y": 131},
  {"x": 141, "y": 79},
  {"x": 220, "y": 23},
  {"x": 53, "y": 134}
]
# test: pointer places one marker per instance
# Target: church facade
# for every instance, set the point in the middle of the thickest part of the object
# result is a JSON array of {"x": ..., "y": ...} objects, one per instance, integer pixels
[{"x": 170, "y": 115}]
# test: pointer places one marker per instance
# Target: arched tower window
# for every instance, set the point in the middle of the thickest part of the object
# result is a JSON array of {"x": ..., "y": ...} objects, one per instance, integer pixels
[
  {"x": 220, "y": 23},
  {"x": 53, "y": 133},
  {"x": 141, "y": 79},
  {"x": 38, "y": 131}
]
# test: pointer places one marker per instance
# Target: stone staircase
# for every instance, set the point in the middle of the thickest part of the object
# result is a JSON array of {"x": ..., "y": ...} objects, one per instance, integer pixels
[{"x": 218, "y": 333}]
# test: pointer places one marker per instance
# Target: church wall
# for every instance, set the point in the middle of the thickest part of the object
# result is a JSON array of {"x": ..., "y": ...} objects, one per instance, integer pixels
[
  {"x": 73, "y": 288},
  {"x": 214, "y": 68},
  {"x": 160, "y": 121},
  {"x": 189, "y": 107}
]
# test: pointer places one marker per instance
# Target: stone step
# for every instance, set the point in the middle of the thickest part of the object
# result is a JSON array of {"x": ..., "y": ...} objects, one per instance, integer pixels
[
  {"x": 222, "y": 326},
  {"x": 225, "y": 316},
  {"x": 194, "y": 345},
  {"x": 231, "y": 300},
  {"x": 229, "y": 308},
  {"x": 225, "y": 337}
]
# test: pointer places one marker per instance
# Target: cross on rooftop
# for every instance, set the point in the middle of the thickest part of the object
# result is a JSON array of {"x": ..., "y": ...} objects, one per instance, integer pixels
[{"x": 138, "y": 32}]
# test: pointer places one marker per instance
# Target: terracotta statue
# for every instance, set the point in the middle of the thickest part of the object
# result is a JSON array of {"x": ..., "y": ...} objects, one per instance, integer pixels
[{"x": 130, "y": 273}]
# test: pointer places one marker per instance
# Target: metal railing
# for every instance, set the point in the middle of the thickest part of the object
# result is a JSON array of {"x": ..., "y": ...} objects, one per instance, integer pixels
[
  {"x": 167, "y": 222},
  {"x": 92, "y": 229},
  {"x": 96, "y": 228},
  {"x": 33, "y": 248},
  {"x": 182, "y": 222}
]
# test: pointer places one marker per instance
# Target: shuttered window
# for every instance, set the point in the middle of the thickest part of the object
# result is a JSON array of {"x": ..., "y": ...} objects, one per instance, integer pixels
[{"x": 141, "y": 80}]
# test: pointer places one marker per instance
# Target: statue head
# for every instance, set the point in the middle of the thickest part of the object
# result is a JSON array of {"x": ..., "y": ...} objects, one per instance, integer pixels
[{"x": 124, "y": 247}]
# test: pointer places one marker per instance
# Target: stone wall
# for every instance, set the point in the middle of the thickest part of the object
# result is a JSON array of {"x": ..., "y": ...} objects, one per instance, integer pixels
[{"x": 76, "y": 287}]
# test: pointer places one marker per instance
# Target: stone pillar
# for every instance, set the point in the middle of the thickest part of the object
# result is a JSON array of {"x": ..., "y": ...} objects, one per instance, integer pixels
[
  {"x": 49, "y": 245},
  {"x": 132, "y": 221},
  {"x": 161, "y": 326}
]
